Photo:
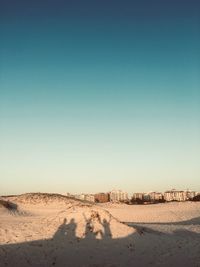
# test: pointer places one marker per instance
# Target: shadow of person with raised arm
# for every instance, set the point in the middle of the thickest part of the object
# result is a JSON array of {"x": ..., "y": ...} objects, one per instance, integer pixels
[{"x": 89, "y": 229}]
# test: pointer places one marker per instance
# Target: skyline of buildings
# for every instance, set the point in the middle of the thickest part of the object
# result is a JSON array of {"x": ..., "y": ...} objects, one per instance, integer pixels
[{"x": 117, "y": 196}]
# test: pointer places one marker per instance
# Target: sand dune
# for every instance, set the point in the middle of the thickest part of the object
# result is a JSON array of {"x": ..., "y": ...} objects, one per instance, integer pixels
[{"x": 53, "y": 230}]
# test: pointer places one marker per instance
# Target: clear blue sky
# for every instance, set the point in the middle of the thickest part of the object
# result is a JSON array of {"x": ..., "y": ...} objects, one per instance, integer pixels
[{"x": 98, "y": 95}]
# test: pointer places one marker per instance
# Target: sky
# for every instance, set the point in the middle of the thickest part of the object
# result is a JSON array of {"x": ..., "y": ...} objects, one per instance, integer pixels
[{"x": 99, "y": 95}]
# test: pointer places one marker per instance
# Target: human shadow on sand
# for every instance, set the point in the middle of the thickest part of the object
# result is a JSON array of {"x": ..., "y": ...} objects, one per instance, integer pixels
[{"x": 65, "y": 248}]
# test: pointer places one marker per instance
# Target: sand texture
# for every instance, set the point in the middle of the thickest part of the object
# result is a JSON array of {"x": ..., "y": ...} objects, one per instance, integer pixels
[{"x": 52, "y": 230}]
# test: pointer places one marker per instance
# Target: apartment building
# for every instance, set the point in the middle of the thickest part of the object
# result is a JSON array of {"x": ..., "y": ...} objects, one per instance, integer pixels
[
  {"x": 138, "y": 196},
  {"x": 118, "y": 196},
  {"x": 175, "y": 195},
  {"x": 102, "y": 197},
  {"x": 90, "y": 198},
  {"x": 80, "y": 196},
  {"x": 85, "y": 197},
  {"x": 190, "y": 194},
  {"x": 155, "y": 196}
]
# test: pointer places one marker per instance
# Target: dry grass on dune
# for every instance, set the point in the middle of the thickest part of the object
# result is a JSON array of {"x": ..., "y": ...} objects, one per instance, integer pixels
[{"x": 45, "y": 198}]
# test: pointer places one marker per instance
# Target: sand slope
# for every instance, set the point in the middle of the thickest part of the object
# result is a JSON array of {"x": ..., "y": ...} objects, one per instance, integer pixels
[{"x": 57, "y": 231}]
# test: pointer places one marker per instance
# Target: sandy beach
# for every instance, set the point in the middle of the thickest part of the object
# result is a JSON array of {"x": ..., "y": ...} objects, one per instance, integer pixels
[{"x": 50, "y": 230}]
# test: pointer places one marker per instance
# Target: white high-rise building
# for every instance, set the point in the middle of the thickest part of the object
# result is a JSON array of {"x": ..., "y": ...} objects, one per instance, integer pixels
[
  {"x": 118, "y": 196},
  {"x": 155, "y": 196},
  {"x": 175, "y": 195}
]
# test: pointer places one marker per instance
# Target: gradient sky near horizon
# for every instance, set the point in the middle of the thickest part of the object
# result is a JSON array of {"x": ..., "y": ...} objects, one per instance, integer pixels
[{"x": 99, "y": 95}]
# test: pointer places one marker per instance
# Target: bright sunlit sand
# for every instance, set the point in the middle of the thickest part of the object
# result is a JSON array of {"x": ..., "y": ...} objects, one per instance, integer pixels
[{"x": 51, "y": 230}]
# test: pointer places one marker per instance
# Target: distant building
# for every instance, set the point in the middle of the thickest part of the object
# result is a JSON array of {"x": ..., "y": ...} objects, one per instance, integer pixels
[
  {"x": 90, "y": 198},
  {"x": 85, "y": 197},
  {"x": 155, "y": 196},
  {"x": 118, "y": 196},
  {"x": 175, "y": 195},
  {"x": 138, "y": 196},
  {"x": 190, "y": 194},
  {"x": 101, "y": 197},
  {"x": 152, "y": 197},
  {"x": 80, "y": 196},
  {"x": 146, "y": 197}
]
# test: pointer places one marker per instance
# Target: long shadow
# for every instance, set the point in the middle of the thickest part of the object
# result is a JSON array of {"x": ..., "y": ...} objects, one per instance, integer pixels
[
  {"x": 9, "y": 206},
  {"x": 193, "y": 221},
  {"x": 138, "y": 249}
]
